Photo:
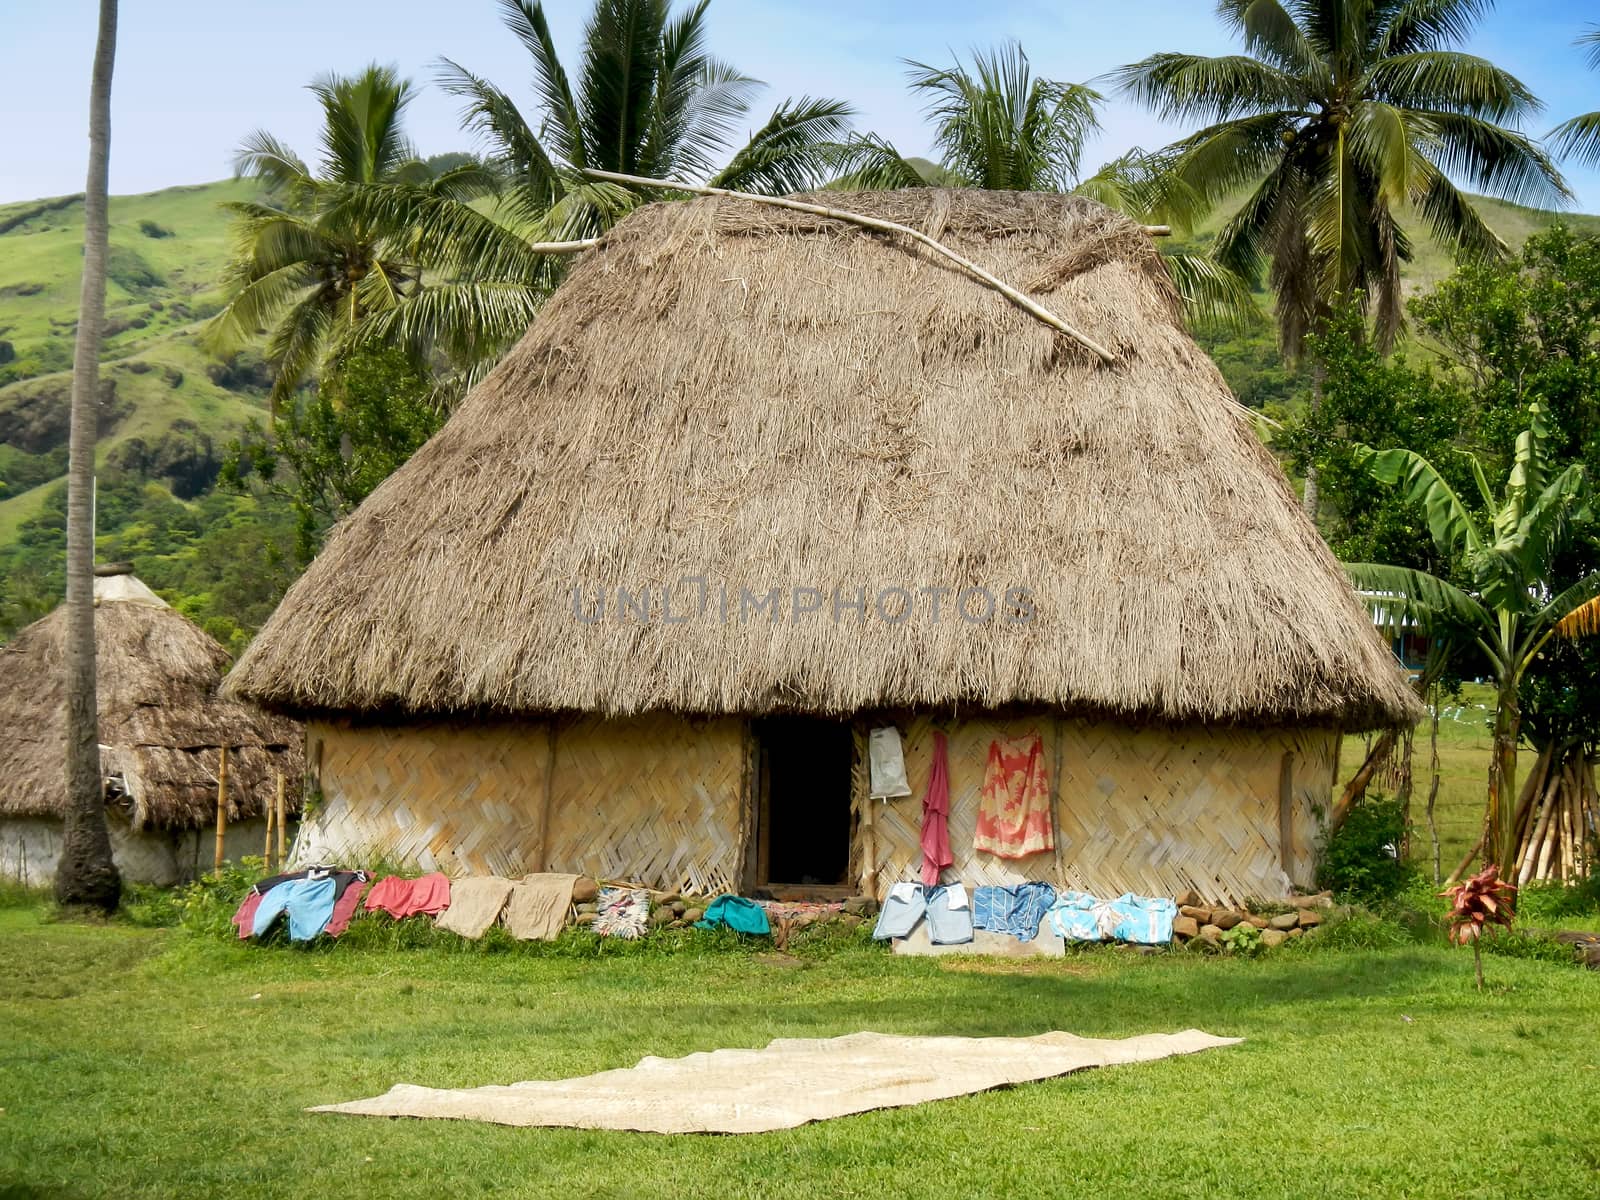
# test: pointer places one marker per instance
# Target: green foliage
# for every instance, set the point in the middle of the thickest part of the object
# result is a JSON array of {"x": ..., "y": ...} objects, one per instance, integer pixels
[
  {"x": 1337, "y": 117},
  {"x": 154, "y": 229},
  {"x": 1361, "y": 860},
  {"x": 1513, "y": 943},
  {"x": 1360, "y": 930},
  {"x": 1550, "y": 903},
  {"x": 1242, "y": 939},
  {"x": 328, "y": 450}
]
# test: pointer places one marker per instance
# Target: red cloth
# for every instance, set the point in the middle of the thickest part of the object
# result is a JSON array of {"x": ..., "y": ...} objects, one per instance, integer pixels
[
  {"x": 936, "y": 816},
  {"x": 245, "y": 918},
  {"x": 405, "y": 897},
  {"x": 1014, "y": 803},
  {"x": 344, "y": 909}
]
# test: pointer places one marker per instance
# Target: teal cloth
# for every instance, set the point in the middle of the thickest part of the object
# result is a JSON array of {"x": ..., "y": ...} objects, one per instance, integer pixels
[{"x": 737, "y": 913}]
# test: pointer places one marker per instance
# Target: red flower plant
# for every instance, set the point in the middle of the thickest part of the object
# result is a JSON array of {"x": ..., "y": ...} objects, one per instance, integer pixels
[{"x": 1481, "y": 901}]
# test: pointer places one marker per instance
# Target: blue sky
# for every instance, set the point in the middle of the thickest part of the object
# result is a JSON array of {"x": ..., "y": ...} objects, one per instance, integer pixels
[{"x": 194, "y": 75}]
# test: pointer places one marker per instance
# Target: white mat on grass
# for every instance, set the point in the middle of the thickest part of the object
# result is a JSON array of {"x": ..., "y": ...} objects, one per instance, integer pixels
[{"x": 791, "y": 1082}]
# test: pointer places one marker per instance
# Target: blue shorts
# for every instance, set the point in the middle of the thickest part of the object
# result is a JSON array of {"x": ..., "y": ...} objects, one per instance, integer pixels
[{"x": 909, "y": 903}]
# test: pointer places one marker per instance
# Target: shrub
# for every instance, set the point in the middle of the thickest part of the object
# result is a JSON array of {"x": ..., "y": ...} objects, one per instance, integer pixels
[
  {"x": 152, "y": 230},
  {"x": 1357, "y": 931},
  {"x": 1361, "y": 861}
]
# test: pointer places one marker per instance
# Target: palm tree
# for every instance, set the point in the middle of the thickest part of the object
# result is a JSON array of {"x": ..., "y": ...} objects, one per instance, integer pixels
[
  {"x": 1506, "y": 613},
  {"x": 1001, "y": 127},
  {"x": 1341, "y": 115},
  {"x": 86, "y": 874},
  {"x": 1579, "y": 138},
  {"x": 647, "y": 98},
  {"x": 318, "y": 258}
]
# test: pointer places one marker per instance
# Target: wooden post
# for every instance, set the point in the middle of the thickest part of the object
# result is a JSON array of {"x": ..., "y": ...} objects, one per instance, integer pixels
[
  {"x": 222, "y": 806},
  {"x": 1286, "y": 815},
  {"x": 1058, "y": 851},
  {"x": 282, "y": 809},
  {"x": 266, "y": 853}
]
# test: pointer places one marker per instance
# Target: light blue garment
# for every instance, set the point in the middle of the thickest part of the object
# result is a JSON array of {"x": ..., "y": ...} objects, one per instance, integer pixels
[
  {"x": 1074, "y": 917},
  {"x": 1144, "y": 920},
  {"x": 946, "y": 907},
  {"x": 308, "y": 903}
]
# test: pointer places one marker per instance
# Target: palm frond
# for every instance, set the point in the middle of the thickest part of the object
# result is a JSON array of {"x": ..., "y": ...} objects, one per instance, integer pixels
[
  {"x": 563, "y": 129},
  {"x": 1184, "y": 87},
  {"x": 1495, "y": 160},
  {"x": 1213, "y": 296},
  {"x": 1415, "y": 26},
  {"x": 1452, "y": 82},
  {"x": 867, "y": 162},
  {"x": 617, "y": 80},
  {"x": 262, "y": 156},
  {"x": 1400, "y": 597},
  {"x": 495, "y": 118},
  {"x": 1271, "y": 32},
  {"x": 1449, "y": 521},
  {"x": 796, "y": 150},
  {"x": 1584, "y": 620},
  {"x": 1578, "y": 139}
]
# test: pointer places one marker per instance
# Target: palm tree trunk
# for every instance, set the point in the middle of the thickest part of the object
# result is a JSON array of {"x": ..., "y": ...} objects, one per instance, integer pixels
[{"x": 86, "y": 874}]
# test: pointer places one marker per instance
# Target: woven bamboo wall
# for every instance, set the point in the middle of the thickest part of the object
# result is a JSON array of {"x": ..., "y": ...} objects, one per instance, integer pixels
[
  {"x": 654, "y": 800},
  {"x": 1152, "y": 811}
]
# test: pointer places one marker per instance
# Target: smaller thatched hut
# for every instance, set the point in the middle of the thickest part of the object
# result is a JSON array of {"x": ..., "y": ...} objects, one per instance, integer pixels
[{"x": 162, "y": 728}]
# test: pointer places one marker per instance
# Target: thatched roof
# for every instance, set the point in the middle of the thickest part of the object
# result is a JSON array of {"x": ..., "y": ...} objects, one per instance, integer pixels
[
  {"x": 161, "y": 721},
  {"x": 768, "y": 399}
]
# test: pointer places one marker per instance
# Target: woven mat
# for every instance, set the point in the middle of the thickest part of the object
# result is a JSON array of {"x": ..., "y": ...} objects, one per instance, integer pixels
[{"x": 791, "y": 1082}]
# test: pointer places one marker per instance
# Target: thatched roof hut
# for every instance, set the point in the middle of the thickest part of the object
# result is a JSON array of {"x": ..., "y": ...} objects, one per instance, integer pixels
[
  {"x": 162, "y": 726},
  {"x": 732, "y": 422}
]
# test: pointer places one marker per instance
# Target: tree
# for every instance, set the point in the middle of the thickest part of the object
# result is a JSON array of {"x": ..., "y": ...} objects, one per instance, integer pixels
[
  {"x": 1340, "y": 115},
  {"x": 322, "y": 255},
  {"x": 87, "y": 875},
  {"x": 647, "y": 98},
  {"x": 329, "y": 450},
  {"x": 1579, "y": 138},
  {"x": 1508, "y": 612}
]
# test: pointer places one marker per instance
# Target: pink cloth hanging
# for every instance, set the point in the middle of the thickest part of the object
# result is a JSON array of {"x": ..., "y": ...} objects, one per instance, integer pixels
[{"x": 936, "y": 854}]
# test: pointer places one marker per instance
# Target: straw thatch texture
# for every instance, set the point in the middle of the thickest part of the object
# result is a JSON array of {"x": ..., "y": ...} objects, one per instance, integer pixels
[
  {"x": 770, "y": 400},
  {"x": 161, "y": 722},
  {"x": 655, "y": 800},
  {"x": 1153, "y": 811}
]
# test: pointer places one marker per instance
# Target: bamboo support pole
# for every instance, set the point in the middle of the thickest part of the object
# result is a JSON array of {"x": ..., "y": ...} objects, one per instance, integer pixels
[
  {"x": 282, "y": 808},
  {"x": 1529, "y": 859},
  {"x": 222, "y": 807},
  {"x": 266, "y": 851},
  {"x": 1547, "y": 842},
  {"x": 1020, "y": 299},
  {"x": 577, "y": 247}
]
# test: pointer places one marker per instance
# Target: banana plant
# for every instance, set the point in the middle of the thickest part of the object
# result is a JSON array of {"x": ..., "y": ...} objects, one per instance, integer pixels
[{"x": 1505, "y": 610}]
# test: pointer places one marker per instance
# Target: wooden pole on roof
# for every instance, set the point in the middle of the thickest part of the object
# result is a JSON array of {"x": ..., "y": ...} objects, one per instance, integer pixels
[
  {"x": 1020, "y": 299},
  {"x": 282, "y": 810},
  {"x": 222, "y": 807}
]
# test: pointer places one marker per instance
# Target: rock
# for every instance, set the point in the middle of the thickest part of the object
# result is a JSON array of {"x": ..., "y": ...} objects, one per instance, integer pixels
[
  {"x": 850, "y": 920},
  {"x": 1273, "y": 937},
  {"x": 691, "y": 915},
  {"x": 1252, "y": 919},
  {"x": 861, "y": 906},
  {"x": 1195, "y": 912},
  {"x": 1189, "y": 899},
  {"x": 662, "y": 916},
  {"x": 584, "y": 891},
  {"x": 1320, "y": 900},
  {"x": 1211, "y": 934},
  {"x": 1225, "y": 918},
  {"x": 678, "y": 908},
  {"x": 1309, "y": 918},
  {"x": 1297, "y": 932},
  {"x": 585, "y": 918},
  {"x": 588, "y": 907},
  {"x": 665, "y": 898},
  {"x": 1183, "y": 927},
  {"x": 1284, "y": 921}
]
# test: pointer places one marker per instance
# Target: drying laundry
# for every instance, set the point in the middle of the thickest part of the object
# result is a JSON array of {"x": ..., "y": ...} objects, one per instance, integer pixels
[
  {"x": 406, "y": 897},
  {"x": 936, "y": 854},
  {"x": 308, "y": 904},
  {"x": 737, "y": 913},
  {"x": 345, "y": 907},
  {"x": 244, "y": 919},
  {"x": 1017, "y": 910},
  {"x": 887, "y": 763},
  {"x": 622, "y": 912},
  {"x": 790, "y": 1082},
  {"x": 1014, "y": 803},
  {"x": 537, "y": 910},
  {"x": 475, "y": 904},
  {"x": 946, "y": 908},
  {"x": 1143, "y": 920}
]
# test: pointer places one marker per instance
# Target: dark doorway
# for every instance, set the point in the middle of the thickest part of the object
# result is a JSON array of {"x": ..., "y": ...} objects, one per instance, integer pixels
[{"x": 803, "y": 794}]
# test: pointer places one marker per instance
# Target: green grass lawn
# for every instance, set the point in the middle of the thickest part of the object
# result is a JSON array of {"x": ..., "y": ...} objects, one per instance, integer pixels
[{"x": 159, "y": 1063}]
